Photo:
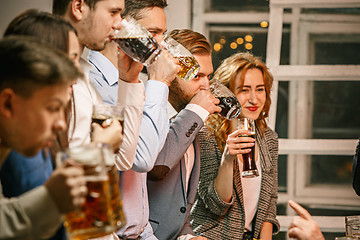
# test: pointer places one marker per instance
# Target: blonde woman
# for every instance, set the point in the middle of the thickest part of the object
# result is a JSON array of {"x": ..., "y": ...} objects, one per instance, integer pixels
[{"x": 228, "y": 206}]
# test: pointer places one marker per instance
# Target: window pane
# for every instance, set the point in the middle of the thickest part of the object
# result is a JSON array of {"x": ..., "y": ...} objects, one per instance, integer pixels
[
  {"x": 332, "y": 10},
  {"x": 227, "y": 42},
  {"x": 243, "y": 5},
  {"x": 335, "y": 170},
  {"x": 282, "y": 110},
  {"x": 336, "y": 49},
  {"x": 282, "y": 173},
  {"x": 336, "y": 110}
]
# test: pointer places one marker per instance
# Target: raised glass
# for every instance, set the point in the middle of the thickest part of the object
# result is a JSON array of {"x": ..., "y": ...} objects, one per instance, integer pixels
[
  {"x": 230, "y": 106},
  {"x": 137, "y": 42},
  {"x": 249, "y": 165},
  {"x": 102, "y": 213},
  {"x": 189, "y": 66}
]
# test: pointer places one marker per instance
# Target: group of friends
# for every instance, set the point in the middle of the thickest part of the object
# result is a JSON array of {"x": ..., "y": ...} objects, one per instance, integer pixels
[{"x": 179, "y": 162}]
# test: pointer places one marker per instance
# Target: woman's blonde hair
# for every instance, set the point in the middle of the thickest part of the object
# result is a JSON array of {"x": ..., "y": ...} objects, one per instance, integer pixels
[{"x": 226, "y": 73}]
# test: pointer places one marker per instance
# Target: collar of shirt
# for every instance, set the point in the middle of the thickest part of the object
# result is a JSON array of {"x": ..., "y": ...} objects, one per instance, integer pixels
[
  {"x": 85, "y": 66},
  {"x": 171, "y": 111},
  {"x": 105, "y": 66}
]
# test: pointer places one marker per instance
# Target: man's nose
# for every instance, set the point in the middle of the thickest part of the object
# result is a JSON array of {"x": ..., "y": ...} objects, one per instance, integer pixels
[
  {"x": 117, "y": 21},
  {"x": 60, "y": 122},
  {"x": 205, "y": 83}
]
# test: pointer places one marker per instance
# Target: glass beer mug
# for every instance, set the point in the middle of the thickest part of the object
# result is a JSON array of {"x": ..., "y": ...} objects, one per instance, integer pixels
[
  {"x": 189, "y": 66},
  {"x": 137, "y": 42},
  {"x": 101, "y": 214},
  {"x": 230, "y": 106}
]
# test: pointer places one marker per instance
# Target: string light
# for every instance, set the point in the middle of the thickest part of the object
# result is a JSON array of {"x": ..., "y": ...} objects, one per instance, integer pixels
[
  {"x": 248, "y": 38},
  {"x": 217, "y": 47},
  {"x": 240, "y": 41},
  {"x": 233, "y": 45},
  {"x": 264, "y": 24},
  {"x": 248, "y": 46}
]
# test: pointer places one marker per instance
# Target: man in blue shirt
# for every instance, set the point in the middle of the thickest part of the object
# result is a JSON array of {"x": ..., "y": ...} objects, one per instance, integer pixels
[{"x": 110, "y": 68}]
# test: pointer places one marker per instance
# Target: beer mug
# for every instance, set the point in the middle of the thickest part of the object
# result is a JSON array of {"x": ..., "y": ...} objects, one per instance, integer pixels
[
  {"x": 230, "y": 106},
  {"x": 249, "y": 165},
  {"x": 137, "y": 42},
  {"x": 101, "y": 214},
  {"x": 189, "y": 66}
]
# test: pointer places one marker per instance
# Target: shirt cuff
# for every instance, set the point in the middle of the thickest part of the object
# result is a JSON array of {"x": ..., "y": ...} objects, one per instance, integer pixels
[
  {"x": 132, "y": 94},
  {"x": 185, "y": 237},
  {"x": 200, "y": 111}
]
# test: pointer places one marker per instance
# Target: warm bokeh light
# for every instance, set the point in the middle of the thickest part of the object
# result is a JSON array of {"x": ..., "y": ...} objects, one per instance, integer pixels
[
  {"x": 240, "y": 41},
  {"x": 233, "y": 45},
  {"x": 248, "y": 46},
  {"x": 264, "y": 24},
  {"x": 222, "y": 41},
  {"x": 217, "y": 47},
  {"x": 248, "y": 38}
]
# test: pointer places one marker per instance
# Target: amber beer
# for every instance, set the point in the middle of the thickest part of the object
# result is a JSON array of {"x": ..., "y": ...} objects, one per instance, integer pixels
[
  {"x": 93, "y": 219},
  {"x": 118, "y": 215},
  {"x": 189, "y": 67},
  {"x": 101, "y": 214}
]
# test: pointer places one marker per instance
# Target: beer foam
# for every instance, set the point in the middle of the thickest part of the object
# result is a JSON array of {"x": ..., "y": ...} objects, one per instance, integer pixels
[
  {"x": 131, "y": 29},
  {"x": 88, "y": 155}
]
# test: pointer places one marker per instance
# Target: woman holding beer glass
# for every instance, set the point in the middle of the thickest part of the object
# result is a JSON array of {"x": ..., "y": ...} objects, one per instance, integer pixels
[{"x": 229, "y": 206}]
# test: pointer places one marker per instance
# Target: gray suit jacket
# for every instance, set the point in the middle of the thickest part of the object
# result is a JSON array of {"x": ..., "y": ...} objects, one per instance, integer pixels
[{"x": 169, "y": 204}]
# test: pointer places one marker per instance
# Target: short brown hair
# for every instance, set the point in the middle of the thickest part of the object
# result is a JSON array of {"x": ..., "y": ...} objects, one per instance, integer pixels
[
  {"x": 60, "y": 6},
  {"x": 27, "y": 65},
  {"x": 51, "y": 29},
  {"x": 134, "y": 7},
  {"x": 193, "y": 41}
]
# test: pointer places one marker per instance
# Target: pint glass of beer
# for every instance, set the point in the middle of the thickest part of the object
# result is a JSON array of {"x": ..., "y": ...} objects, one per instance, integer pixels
[
  {"x": 189, "y": 66},
  {"x": 137, "y": 42},
  {"x": 230, "y": 106},
  {"x": 249, "y": 165},
  {"x": 101, "y": 214}
]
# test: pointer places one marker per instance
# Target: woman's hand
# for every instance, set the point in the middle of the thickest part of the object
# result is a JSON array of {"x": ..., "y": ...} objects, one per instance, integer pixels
[{"x": 237, "y": 143}]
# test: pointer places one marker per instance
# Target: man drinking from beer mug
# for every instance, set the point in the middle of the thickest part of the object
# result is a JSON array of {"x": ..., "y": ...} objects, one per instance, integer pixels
[
  {"x": 113, "y": 70},
  {"x": 34, "y": 92},
  {"x": 173, "y": 181}
]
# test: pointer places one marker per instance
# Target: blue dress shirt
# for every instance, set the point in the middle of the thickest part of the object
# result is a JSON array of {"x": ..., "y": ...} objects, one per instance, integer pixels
[{"x": 153, "y": 131}]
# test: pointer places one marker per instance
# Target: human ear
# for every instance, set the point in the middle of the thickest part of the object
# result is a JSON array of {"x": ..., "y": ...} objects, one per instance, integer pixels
[
  {"x": 77, "y": 9},
  {"x": 6, "y": 102}
]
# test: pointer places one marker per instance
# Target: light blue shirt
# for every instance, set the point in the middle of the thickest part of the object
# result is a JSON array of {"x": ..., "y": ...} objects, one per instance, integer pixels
[
  {"x": 153, "y": 132},
  {"x": 104, "y": 76}
]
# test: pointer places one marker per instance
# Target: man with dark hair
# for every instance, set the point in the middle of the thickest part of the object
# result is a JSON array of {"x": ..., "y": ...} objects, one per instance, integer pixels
[
  {"x": 34, "y": 92},
  {"x": 110, "y": 68},
  {"x": 95, "y": 23},
  {"x": 173, "y": 181}
]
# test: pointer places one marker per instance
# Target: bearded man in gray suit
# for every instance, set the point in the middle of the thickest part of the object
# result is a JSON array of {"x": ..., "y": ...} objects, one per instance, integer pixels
[{"x": 173, "y": 181}]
